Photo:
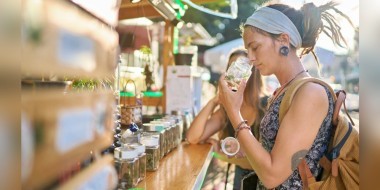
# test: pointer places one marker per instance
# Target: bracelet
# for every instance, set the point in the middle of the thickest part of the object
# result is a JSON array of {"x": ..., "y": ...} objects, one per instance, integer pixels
[
  {"x": 241, "y": 128},
  {"x": 241, "y": 123},
  {"x": 238, "y": 128}
]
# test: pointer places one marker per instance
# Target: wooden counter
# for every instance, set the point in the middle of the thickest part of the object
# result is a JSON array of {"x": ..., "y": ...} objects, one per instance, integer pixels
[{"x": 182, "y": 169}]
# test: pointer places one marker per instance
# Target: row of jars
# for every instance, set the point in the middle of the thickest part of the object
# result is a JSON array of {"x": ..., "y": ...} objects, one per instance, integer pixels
[{"x": 142, "y": 150}]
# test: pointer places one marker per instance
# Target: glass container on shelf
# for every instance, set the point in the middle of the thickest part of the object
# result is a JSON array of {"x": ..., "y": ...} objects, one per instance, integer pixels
[
  {"x": 169, "y": 134},
  {"x": 150, "y": 128},
  {"x": 142, "y": 159},
  {"x": 126, "y": 159},
  {"x": 152, "y": 150}
]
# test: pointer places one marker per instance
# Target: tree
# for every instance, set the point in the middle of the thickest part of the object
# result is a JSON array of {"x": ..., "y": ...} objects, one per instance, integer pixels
[{"x": 222, "y": 28}]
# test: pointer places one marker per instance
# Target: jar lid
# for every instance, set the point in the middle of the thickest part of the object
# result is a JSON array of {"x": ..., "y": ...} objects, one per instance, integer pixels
[
  {"x": 153, "y": 127},
  {"x": 150, "y": 141},
  {"x": 139, "y": 147},
  {"x": 230, "y": 146},
  {"x": 165, "y": 123},
  {"x": 125, "y": 153}
]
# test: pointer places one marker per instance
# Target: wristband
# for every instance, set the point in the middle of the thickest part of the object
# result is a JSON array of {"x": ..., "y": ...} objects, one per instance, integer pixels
[{"x": 241, "y": 128}]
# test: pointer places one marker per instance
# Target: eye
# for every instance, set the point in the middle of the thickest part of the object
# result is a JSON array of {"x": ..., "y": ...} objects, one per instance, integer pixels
[{"x": 254, "y": 48}]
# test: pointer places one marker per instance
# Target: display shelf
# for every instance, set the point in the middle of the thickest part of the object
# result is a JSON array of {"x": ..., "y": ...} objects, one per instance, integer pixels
[
  {"x": 67, "y": 127},
  {"x": 97, "y": 176},
  {"x": 64, "y": 40}
]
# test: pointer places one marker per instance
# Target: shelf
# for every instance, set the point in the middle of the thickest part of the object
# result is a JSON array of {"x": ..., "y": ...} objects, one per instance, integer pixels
[
  {"x": 100, "y": 175},
  {"x": 67, "y": 127},
  {"x": 74, "y": 45}
]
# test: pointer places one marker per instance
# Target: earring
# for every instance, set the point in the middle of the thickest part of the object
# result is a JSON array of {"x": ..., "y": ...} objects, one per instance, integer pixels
[{"x": 284, "y": 50}]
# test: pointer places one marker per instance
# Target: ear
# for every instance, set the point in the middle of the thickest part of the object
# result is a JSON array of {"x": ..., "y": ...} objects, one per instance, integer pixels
[{"x": 284, "y": 39}]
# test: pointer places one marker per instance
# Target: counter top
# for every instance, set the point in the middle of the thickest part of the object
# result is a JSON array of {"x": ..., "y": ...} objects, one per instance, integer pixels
[{"x": 182, "y": 169}]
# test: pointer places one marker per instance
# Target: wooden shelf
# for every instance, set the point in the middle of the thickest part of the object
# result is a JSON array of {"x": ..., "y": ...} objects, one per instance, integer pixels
[
  {"x": 80, "y": 179},
  {"x": 74, "y": 45},
  {"x": 183, "y": 168},
  {"x": 67, "y": 130}
]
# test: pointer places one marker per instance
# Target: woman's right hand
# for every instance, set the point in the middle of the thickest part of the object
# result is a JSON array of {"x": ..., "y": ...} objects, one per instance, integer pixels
[{"x": 215, "y": 100}]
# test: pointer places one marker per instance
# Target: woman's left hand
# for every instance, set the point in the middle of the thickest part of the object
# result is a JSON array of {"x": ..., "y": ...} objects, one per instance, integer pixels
[{"x": 231, "y": 100}]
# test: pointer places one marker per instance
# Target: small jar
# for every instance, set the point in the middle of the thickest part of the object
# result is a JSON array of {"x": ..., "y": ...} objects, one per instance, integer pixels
[
  {"x": 142, "y": 159},
  {"x": 168, "y": 136},
  {"x": 125, "y": 163},
  {"x": 151, "y": 128},
  {"x": 152, "y": 150}
]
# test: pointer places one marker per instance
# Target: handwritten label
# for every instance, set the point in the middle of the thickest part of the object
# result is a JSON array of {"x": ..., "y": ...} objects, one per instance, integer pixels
[
  {"x": 75, "y": 127},
  {"x": 76, "y": 51}
]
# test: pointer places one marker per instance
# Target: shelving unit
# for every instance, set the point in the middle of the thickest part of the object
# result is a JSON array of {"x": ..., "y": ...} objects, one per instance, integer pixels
[{"x": 68, "y": 128}]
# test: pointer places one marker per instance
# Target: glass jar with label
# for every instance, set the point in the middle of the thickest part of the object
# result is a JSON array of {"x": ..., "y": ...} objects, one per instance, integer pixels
[
  {"x": 180, "y": 122},
  {"x": 159, "y": 129},
  {"x": 169, "y": 134},
  {"x": 142, "y": 159},
  {"x": 125, "y": 163},
  {"x": 152, "y": 150}
]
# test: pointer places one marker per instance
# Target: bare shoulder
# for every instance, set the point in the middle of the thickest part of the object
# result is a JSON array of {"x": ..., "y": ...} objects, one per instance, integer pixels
[{"x": 311, "y": 96}]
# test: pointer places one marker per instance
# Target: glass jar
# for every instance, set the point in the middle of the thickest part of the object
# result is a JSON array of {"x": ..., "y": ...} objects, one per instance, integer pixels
[
  {"x": 238, "y": 70},
  {"x": 130, "y": 137},
  {"x": 169, "y": 134},
  {"x": 151, "y": 128},
  {"x": 180, "y": 122},
  {"x": 142, "y": 159},
  {"x": 126, "y": 163},
  {"x": 152, "y": 150}
]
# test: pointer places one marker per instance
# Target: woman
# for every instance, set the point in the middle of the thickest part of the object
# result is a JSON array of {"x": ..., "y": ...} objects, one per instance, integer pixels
[
  {"x": 272, "y": 36},
  {"x": 207, "y": 122}
]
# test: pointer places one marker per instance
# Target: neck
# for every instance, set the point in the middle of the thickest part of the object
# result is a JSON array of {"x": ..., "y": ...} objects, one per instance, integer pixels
[{"x": 288, "y": 69}]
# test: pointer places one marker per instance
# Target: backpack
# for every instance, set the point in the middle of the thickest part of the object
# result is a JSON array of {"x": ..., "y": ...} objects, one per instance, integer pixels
[{"x": 341, "y": 162}]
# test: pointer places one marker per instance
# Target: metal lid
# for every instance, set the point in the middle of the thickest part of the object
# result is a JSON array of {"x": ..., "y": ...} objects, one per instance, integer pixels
[
  {"x": 125, "y": 153},
  {"x": 139, "y": 147},
  {"x": 165, "y": 123},
  {"x": 150, "y": 141},
  {"x": 153, "y": 127}
]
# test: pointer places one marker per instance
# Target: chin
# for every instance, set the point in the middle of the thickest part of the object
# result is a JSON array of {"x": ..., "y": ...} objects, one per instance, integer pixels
[{"x": 264, "y": 72}]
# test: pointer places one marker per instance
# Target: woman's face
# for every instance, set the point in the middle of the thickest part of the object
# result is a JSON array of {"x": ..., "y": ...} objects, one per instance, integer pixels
[{"x": 262, "y": 51}]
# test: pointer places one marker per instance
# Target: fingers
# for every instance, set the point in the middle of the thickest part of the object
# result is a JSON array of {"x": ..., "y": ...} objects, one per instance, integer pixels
[{"x": 242, "y": 85}]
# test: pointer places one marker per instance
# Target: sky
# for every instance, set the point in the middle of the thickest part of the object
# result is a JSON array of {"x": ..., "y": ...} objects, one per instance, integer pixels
[{"x": 349, "y": 7}]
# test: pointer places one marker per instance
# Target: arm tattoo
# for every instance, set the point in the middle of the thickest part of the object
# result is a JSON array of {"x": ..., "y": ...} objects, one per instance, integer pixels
[{"x": 297, "y": 157}]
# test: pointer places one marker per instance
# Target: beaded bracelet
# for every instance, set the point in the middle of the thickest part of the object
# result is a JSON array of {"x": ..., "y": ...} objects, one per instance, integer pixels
[
  {"x": 241, "y": 128},
  {"x": 238, "y": 128}
]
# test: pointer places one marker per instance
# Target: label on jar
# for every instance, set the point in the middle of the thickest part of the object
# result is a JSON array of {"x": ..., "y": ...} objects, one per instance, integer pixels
[
  {"x": 76, "y": 51},
  {"x": 101, "y": 180},
  {"x": 74, "y": 128},
  {"x": 100, "y": 119}
]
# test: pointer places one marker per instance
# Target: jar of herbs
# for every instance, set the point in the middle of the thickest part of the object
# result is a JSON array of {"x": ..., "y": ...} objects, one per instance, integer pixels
[
  {"x": 142, "y": 159},
  {"x": 169, "y": 134},
  {"x": 152, "y": 150},
  {"x": 125, "y": 163},
  {"x": 150, "y": 128}
]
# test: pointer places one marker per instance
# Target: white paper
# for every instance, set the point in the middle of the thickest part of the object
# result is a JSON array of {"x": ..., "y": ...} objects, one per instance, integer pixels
[{"x": 74, "y": 128}]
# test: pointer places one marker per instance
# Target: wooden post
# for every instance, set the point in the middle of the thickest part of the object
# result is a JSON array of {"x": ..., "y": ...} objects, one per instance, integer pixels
[{"x": 168, "y": 57}]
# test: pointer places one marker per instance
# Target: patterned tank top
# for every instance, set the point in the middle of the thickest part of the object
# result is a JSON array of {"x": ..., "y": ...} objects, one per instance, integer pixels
[{"x": 268, "y": 130}]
